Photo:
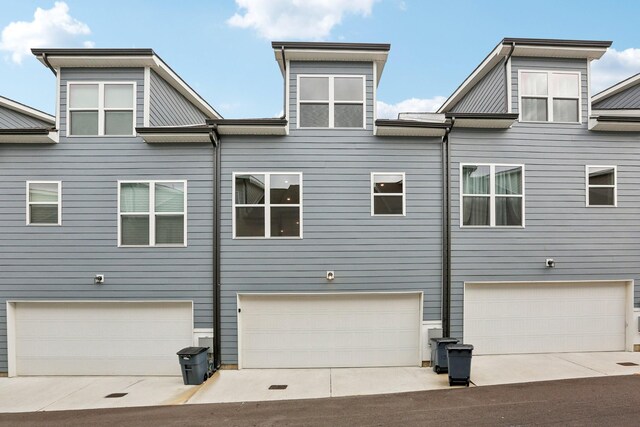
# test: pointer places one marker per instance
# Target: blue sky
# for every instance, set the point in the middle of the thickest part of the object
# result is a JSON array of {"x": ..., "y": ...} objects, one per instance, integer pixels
[{"x": 222, "y": 47}]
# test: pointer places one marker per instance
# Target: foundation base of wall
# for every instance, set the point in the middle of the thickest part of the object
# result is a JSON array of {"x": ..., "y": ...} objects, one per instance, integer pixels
[
  {"x": 636, "y": 347},
  {"x": 229, "y": 367},
  {"x": 426, "y": 364},
  {"x": 4, "y": 374}
]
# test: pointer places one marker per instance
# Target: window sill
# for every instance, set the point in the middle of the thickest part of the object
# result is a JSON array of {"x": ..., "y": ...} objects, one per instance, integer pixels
[
  {"x": 154, "y": 247},
  {"x": 268, "y": 238},
  {"x": 489, "y": 227}
]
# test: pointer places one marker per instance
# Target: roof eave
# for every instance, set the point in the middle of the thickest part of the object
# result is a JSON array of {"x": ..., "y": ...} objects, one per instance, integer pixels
[
  {"x": 611, "y": 123},
  {"x": 29, "y": 111},
  {"x": 110, "y": 58},
  {"x": 394, "y": 127}
]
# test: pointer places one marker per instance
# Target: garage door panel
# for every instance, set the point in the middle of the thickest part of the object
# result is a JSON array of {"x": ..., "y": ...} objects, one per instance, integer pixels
[
  {"x": 346, "y": 330},
  {"x": 101, "y": 338},
  {"x": 545, "y": 317}
]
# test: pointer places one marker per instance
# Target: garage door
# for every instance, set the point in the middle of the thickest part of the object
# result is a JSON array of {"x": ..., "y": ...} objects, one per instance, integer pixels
[
  {"x": 330, "y": 330},
  {"x": 509, "y": 318},
  {"x": 101, "y": 338}
]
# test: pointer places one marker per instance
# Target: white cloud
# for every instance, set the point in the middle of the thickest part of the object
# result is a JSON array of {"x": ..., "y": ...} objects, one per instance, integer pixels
[
  {"x": 50, "y": 28},
  {"x": 391, "y": 111},
  {"x": 613, "y": 67},
  {"x": 299, "y": 19}
]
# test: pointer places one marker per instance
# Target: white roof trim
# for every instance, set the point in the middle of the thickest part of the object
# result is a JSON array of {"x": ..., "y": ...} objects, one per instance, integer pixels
[
  {"x": 502, "y": 50},
  {"x": 409, "y": 131},
  {"x": 355, "y": 55},
  {"x": 617, "y": 88},
  {"x": 482, "y": 70},
  {"x": 32, "y": 112},
  {"x": 595, "y": 125},
  {"x": 152, "y": 61},
  {"x": 251, "y": 130}
]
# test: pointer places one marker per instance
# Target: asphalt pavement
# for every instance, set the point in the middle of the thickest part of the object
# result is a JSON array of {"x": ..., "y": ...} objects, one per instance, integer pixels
[{"x": 612, "y": 400}]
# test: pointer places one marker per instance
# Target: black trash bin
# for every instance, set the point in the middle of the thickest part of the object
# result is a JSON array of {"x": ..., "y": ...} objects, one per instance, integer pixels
[
  {"x": 195, "y": 365},
  {"x": 439, "y": 353},
  {"x": 459, "y": 356}
]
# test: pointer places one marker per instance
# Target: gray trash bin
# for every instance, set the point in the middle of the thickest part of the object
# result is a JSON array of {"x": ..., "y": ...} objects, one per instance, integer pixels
[
  {"x": 459, "y": 356},
  {"x": 195, "y": 365},
  {"x": 439, "y": 353}
]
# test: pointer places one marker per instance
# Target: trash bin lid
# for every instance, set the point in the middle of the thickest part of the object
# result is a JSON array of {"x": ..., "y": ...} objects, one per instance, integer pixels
[
  {"x": 445, "y": 340},
  {"x": 191, "y": 351},
  {"x": 460, "y": 347}
]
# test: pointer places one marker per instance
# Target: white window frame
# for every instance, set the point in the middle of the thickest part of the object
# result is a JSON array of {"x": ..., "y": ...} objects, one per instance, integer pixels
[
  {"x": 59, "y": 203},
  {"x": 267, "y": 205},
  {"x": 492, "y": 195},
  {"x": 403, "y": 194},
  {"x": 152, "y": 213},
  {"x": 101, "y": 109},
  {"x": 549, "y": 95},
  {"x": 614, "y": 186},
  {"x": 331, "y": 101}
]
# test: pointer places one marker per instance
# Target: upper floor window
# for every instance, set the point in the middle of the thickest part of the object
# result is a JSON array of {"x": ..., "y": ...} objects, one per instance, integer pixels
[
  {"x": 152, "y": 213},
  {"x": 267, "y": 204},
  {"x": 492, "y": 195},
  {"x": 101, "y": 109},
  {"x": 601, "y": 186},
  {"x": 331, "y": 101},
  {"x": 44, "y": 206},
  {"x": 550, "y": 96},
  {"x": 387, "y": 194}
]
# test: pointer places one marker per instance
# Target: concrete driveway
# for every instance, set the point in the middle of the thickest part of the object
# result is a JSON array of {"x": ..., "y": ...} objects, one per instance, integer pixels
[{"x": 26, "y": 394}]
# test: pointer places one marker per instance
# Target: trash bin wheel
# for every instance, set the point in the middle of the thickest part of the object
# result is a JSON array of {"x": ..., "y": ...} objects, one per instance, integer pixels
[
  {"x": 467, "y": 383},
  {"x": 438, "y": 369},
  {"x": 450, "y": 383},
  {"x": 206, "y": 377}
]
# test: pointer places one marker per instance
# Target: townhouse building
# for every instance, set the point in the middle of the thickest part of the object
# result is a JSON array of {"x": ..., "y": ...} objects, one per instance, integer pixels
[{"x": 137, "y": 219}]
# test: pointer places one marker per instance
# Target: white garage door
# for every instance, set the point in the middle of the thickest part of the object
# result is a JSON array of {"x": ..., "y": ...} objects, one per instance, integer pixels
[
  {"x": 330, "y": 330},
  {"x": 509, "y": 318},
  {"x": 101, "y": 338}
]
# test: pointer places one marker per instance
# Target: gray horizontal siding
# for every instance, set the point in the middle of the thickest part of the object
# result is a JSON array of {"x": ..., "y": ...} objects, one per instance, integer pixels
[
  {"x": 11, "y": 119},
  {"x": 99, "y": 75},
  {"x": 550, "y": 64},
  {"x": 489, "y": 95},
  {"x": 60, "y": 262},
  {"x": 367, "y": 253},
  {"x": 586, "y": 243},
  {"x": 336, "y": 68},
  {"x": 627, "y": 99},
  {"x": 168, "y": 107}
]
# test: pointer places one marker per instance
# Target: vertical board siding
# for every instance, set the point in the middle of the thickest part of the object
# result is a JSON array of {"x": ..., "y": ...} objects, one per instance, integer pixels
[
  {"x": 11, "y": 119},
  {"x": 627, "y": 99},
  {"x": 168, "y": 107},
  {"x": 489, "y": 95},
  {"x": 59, "y": 262},
  {"x": 551, "y": 64},
  {"x": 339, "y": 68},
  {"x": 100, "y": 75},
  {"x": 586, "y": 243},
  {"x": 367, "y": 253}
]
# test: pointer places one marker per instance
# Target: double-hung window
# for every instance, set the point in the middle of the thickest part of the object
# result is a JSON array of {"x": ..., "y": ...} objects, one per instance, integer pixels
[
  {"x": 101, "y": 109},
  {"x": 549, "y": 96},
  {"x": 492, "y": 195},
  {"x": 602, "y": 186},
  {"x": 387, "y": 194},
  {"x": 267, "y": 205},
  {"x": 331, "y": 101},
  {"x": 44, "y": 206},
  {"x": 152, "y": 213}
]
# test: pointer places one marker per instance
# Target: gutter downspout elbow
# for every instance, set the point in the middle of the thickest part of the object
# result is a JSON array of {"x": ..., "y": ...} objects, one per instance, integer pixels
[{"x": 46, "y": 61}]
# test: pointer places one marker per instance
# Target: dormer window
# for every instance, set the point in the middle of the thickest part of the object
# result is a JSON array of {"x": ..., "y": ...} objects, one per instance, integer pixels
[
  {"x": 331, "y": 101},
  {"x": 101, "y": 109},
  {"x": 549, "y": 96}
]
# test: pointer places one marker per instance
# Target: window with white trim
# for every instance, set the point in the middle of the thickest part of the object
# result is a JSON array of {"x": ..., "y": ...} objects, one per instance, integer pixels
[
  {"x": 152, "y": 213},
  {"x": 602, "y": 184},
  {"x": 550, "y": 96},
  {"x": 331, "y": 101},
  {"x": 101, "y": 109},
  {"x": 492, "y": 195},
  {"x": 387, "y": 194},
  {"x": 44, "y": 206},
  {"x": 267, "y": 205}
]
